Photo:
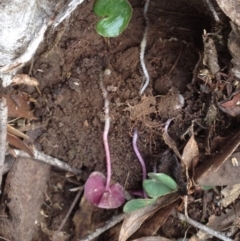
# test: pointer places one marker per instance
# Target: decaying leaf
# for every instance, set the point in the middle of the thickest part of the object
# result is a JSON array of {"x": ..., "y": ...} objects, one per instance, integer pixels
[
  {"x": 227, "y": 174},
  {"x": 210, "y": 58},
  {"x": 135, "y": 219},
  {"x": 18, "y": 105},
  {"x": 210, "y": 166},
  {"x": 16, "y": 142},
  {"x": 16, "y": 132},
  {"x": 146, "y": 107},
  {"x": 230, "y": 193},
  {"x": 220, "y": 223},
  {"x": 169, "y": 141},
  {"x": 190, "y": 151},
  {"x": 154, "y": 223},
  {"x": 231, "y": 107},
  {"x": 83, "y": 219},
  {"x": 24, "y": 79}
]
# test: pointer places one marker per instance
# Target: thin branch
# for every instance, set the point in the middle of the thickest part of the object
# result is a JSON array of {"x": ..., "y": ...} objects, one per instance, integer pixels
[
  {"x": 109, "y": 224},
  {"x": 212, "y": 9},
  {"x": 40, "y": 156},
  {"x": 202, "y": 227},
  {"x": 67, "y": 10},
  {"x": 105, "y": 133},
  {"x": 55, "y": 236},
  {"x": 143, "y": 47},
  {"x": 3, "y": 134}
]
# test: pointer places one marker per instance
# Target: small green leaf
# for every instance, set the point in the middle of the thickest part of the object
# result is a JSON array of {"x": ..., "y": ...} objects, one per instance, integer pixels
[
  {"x": 160, "y": 185},
  {"x": 137, "y": 204},
  {"x": 115, "y": 14},
  {"x": 165, "y": 179}
]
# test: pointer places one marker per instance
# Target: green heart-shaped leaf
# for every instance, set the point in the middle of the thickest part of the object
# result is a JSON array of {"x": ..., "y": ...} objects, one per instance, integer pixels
[
  {"x": 136, "y": 204},
  {"x": 116, "y": 15},
  {"x": 160, "y": 185}
]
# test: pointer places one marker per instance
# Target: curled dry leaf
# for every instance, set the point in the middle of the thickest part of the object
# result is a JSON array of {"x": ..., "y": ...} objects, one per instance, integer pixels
[
  {"x": 230, "y": 193},
  {"x": 135, "y": 219},
  {"x": 14, "y": 141},
  {"x": 24, "y": 79},
  {"x": 227, "y": 174},
  {"x": 154, "y": 223},
  {"x": 18, "y": 133},
  {"x": 210, "y": 166},
  {"x": 210, "y": 58},
  {"x": 19, "y": 105},
  {"x": 231, "y": 107},
  {"x": 190, "y": 151},
  {"x": 169, "y": 141}
]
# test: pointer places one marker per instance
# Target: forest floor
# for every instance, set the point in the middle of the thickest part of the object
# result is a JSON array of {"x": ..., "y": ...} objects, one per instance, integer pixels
[{"x": 70, "y": 110}]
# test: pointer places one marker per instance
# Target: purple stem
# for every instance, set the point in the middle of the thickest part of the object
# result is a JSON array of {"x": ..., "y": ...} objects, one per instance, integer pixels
[
  {"x": 144, "y": 171},
  {"x": 105, "y": 135}
]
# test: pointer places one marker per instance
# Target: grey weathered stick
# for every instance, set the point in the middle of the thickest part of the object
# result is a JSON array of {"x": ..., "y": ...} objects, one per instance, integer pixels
[
  {"x": 67, "y": 10},
  {"x": 114, "y": 220},
  {"x": 202, "y": 227},
  {"x": 3, "y": 134},
  {"x": 50, "y": 160}
]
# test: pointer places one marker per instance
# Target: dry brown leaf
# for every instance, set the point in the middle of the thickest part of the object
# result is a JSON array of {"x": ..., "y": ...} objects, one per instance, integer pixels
[
  {"x": 227, "y": 174},
  {"x": 169, "y": 141},
  {"x": 135, "y": 219},
  {"x": 14, "y": 141},
  {"x": 154, "y": 223},
  {"x": 230, "y": 193},
  {"x": 190, "y": 151},
  {"x": 146, "y": 107},
  {"x": 24, "y": 79},
  {"x": 214, "y": 162},
  {"x": 210, "y": 58},
  {"x": 18, "y": 133},
  {"x": 231, "y": 107},
  {"x": 83, "y": 219},
  {"x": 18, "y": 105},
  {"x": 159, "y": 238}
]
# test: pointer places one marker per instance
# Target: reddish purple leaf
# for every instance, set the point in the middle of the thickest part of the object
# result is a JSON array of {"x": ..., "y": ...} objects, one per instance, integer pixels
[{"x": 95, "y": 192}]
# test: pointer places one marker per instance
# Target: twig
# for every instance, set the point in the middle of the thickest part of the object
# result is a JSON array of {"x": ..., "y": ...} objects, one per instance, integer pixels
[
  {"x": 202, "y": 227},
  {"x": 67, "y": 10},
  {"x": 144, "y": 172},
  {"x": 39, "y": 156},
  {"x": 3, "y": 129},
  {"x": 143, "y": 47},
  {"x": 68, "y": 214},
  {"x": 112, "y": 222},
  {"x": 105, "y": 133},
  {"x": 212, "y": 9},
  {"x": 3, "y": 134}
]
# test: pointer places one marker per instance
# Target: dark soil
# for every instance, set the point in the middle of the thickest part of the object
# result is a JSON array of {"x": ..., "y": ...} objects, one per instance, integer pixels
[{"x": 71, "y": 104}]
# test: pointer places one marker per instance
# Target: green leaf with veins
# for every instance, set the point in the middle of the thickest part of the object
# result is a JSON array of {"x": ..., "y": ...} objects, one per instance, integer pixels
[
  {"x": 160, "y": 185},
  {"x": 137, "y": 204},
  {"x": 115, "y": 14}
]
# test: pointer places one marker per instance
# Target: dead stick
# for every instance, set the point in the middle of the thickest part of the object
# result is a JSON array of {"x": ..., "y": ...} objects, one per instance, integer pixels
[
  {"x": 40, "y": 156},
  {"x": 202, "y": 227},
  {"x": 3, "y": 134},
  {"x": 109, "y": 224}
]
